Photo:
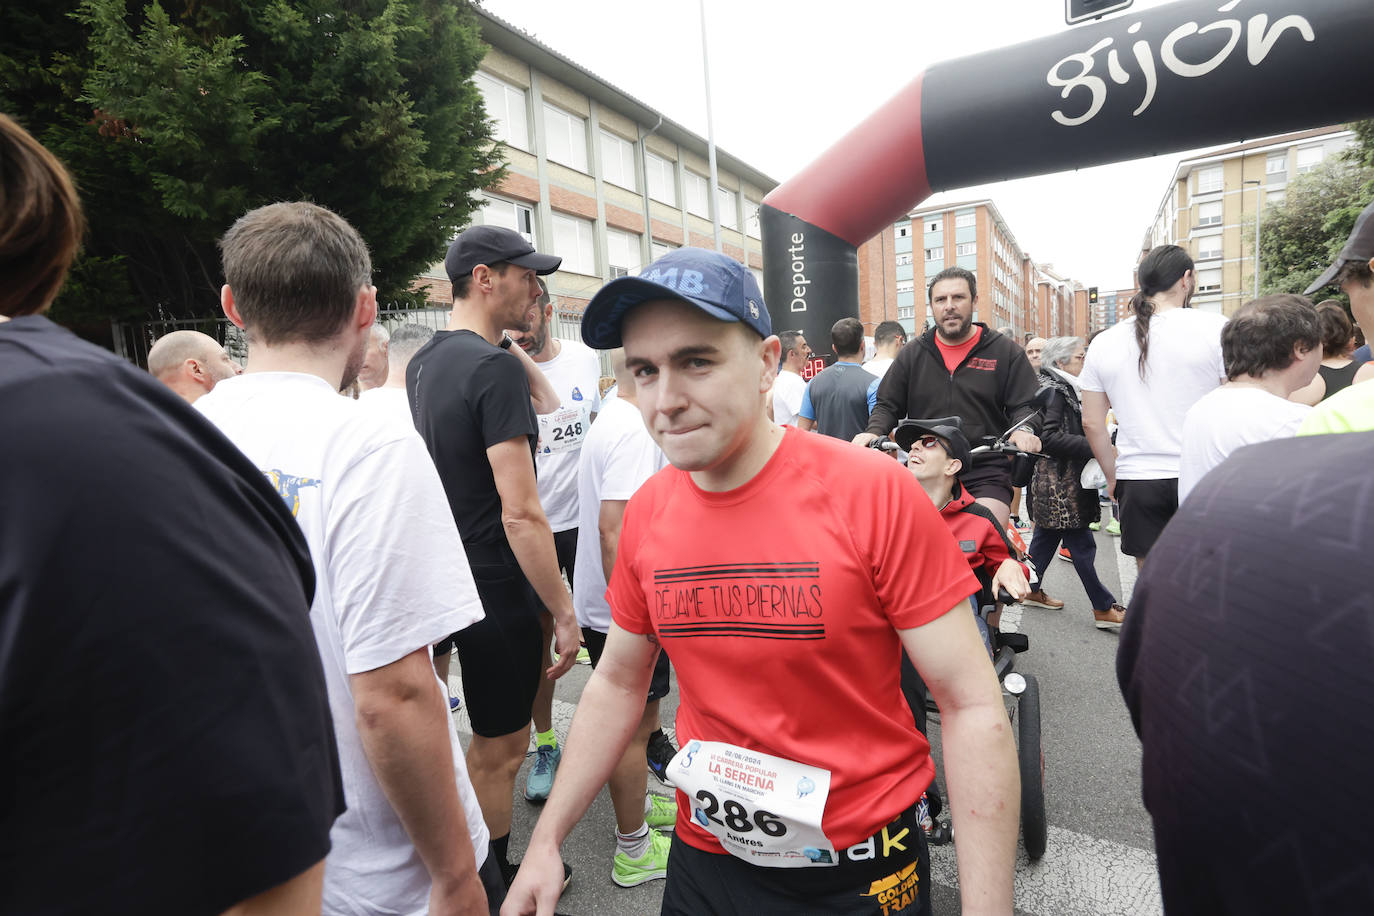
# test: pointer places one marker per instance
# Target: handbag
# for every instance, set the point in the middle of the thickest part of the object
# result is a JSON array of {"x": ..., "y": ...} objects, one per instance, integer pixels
[{"x": 1093, "y": 477}]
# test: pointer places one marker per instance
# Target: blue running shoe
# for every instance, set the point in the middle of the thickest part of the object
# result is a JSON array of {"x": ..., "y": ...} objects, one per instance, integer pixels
[{"x": 540, "y": 781}]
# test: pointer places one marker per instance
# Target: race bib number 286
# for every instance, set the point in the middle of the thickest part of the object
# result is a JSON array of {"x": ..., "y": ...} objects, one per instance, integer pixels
[{"x": 764, "y": 809}]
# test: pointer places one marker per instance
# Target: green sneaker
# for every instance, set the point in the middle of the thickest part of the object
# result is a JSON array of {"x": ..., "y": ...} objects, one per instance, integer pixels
[
  {"x": 662, "y": 813},
  {"x": 583, "y": 656},
  {"x": 539, "y": 783},
  {"x": 652, "y": 866},
  {"x": 1114, "y": 528},
  {"x": 1094, "y": 526}
]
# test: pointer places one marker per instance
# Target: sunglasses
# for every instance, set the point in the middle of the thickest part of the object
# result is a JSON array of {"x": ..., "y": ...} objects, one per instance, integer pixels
[{"x": 929, "y": 442}]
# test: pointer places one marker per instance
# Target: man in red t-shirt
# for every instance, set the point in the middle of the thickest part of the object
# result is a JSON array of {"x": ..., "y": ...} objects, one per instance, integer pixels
[
  {"x": 800, "y": 768},
  {"x": 962, "y": 368}
]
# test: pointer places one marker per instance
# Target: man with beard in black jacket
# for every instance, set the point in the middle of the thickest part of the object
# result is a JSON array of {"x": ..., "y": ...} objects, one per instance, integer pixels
[{"x": 962, "y": 368}]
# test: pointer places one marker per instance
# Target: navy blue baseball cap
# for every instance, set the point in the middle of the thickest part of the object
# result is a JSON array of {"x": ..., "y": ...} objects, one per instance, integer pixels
[{"x": 721, "y": 287}]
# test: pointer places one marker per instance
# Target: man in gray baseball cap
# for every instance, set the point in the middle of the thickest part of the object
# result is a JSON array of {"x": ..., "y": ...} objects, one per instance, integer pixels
[{"x": 1351, "y": 272}]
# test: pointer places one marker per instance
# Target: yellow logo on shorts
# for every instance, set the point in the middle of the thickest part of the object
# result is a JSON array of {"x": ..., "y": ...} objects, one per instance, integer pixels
[{"x": 897, "y": 891}]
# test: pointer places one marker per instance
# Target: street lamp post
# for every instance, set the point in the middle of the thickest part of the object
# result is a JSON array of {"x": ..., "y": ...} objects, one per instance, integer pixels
[{"x": 1259, "y": 204}]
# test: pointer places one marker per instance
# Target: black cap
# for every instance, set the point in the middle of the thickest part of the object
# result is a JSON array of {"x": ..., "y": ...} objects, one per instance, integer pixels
[
  {"x": 490, "y": 244},
  {"x": 1359, "y": 247},
  {"x": 948, "y": 428}
]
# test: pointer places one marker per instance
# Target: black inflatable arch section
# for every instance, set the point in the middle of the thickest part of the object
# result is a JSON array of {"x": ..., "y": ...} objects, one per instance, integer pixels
[{"x": 1176, "y": 77}]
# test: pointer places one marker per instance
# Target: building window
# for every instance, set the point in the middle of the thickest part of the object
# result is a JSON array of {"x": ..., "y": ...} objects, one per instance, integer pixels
[
  {"x": 1275, "y": 197},
  {"x": 751, "y": 222},
  {"x": 935, "y": 225},
  {"x": 566, "y": 136},
  {"x": 1276, "y": 164},
  {"x": 905, "y": 311},
  {"x": 904, "y": 259},
  {"x": 1209, "y": 180},
  {"x": 695, "y": 190},
  {"x": 965, "y": 248},
  {"x": 1309, "y": 158},
  {"x": 658, "y": 249},
  {"x": 903, "y": 230},
  {"x": 662, "y": 184},
  {"x": 1208, "y": 247},
  {"x": 727, "y": 205},
  {"x": 965, "y": 220},
  {"x": 622, "y": 253},
  {"x": 1209, "y": 214},
  {"x": 618, "y": 161},
  {"x": 506, "y": 106},
  {"x": 497, "y": 211},
  {"x": 758, "y": 276},
  {"x": 572, "y": 241},
  {"x": 906, "y": 286},
  {"x": 1209, "y": 281},
  {"x": 935, "y": 254}
]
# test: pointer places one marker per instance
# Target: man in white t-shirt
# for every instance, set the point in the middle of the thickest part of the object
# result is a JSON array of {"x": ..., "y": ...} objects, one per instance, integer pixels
[
  {"x": 1150, "y": 388},
  {"x": 413, "y": 839},
  {"x": 574, "y": 371},
  {"x": 618, "y": 456},
  {"x": 1272, "y": 347},
  {"x": 403, "y": 344},
  {"x": 888, "y": 339},
  {"x": 790, "y": 386}
]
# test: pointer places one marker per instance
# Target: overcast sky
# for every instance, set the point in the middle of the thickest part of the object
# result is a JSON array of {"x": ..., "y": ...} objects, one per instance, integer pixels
[{"x": 790, "y": 78}]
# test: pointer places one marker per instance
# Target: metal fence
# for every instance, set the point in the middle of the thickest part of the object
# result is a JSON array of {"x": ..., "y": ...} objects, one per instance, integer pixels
[{"x": 133, "y": 339}]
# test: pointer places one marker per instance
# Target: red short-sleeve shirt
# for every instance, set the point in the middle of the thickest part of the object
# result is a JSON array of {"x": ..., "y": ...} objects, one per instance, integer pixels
[{"x": 779, "y": 603}]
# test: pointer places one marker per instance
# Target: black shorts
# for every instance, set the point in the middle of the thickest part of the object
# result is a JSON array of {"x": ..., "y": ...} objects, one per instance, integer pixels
[
  {"x": 897, "y": 884},
  {"x": 1146, "y": 507},
  {"x": 565, "y": 544},
  {"x": 989, "y": 479},
  {"x": 595, "y": 642},
  {"x": 501, "y": 656}
]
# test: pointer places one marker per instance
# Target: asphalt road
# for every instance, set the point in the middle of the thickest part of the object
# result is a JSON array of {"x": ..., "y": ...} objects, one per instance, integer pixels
[{"x": 1100, "y": 860}]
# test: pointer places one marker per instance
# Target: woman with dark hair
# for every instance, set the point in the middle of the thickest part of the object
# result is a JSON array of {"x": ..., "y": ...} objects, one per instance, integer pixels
[
  {"x": 1149, "y": 369},
  {"x": 1060, "y": 505},
  {"x": 1338, "y": 367}
]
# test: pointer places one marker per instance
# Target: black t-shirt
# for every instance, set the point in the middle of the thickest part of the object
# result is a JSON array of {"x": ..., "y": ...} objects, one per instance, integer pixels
[
  {"x": 165, "y": 738},
  {"x": 1247, "y": 662},
  {"x": 467, "y": 395}
]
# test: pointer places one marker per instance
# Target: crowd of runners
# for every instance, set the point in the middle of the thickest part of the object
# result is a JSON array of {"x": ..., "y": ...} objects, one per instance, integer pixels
[{"x": 269, "y": 580}]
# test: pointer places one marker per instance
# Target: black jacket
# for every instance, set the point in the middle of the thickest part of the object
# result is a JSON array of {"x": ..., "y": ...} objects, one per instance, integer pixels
[
  {"x": 990, "y": 390},
  {"x": 1057, "y": 498}
]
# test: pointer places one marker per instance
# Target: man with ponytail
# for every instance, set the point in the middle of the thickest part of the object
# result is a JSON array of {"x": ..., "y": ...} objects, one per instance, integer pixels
[{"x": 1150, "y": 369}]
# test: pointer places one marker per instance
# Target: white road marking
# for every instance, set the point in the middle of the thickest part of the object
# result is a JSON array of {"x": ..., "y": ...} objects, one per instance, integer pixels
[{"x": 1079, "y": 875}]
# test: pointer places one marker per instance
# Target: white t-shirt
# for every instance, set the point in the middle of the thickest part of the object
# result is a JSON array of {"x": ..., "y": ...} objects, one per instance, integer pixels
[
  {"x": 787, "y": 398},
  {"x": 391, "y": 578},
  {"x": 617, "y": 457},
  {"x": 1226, "y": 419},
  {"x": 395, "y": 399},
  {"x": 1184, "y": 364},
  {"x": 878, "y": 367},
  {"x": 575, "y": 374}
]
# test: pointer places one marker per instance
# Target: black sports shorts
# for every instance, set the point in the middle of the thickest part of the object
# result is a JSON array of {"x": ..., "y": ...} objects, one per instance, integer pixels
[
  {"x": 501, "y": 655},
  {"x": 894, "y": 884},
  {"x": 595, "y": 641},
  {"x": 990, "y": 479},
  {"x": 1146, "y": 507}
]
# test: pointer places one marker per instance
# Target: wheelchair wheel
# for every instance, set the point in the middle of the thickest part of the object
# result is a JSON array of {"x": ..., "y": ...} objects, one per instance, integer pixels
[{"x": 1031, "y": 756}]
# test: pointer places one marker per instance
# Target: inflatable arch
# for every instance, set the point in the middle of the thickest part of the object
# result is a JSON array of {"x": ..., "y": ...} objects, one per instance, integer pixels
[{"x": 1180, "y": 76}]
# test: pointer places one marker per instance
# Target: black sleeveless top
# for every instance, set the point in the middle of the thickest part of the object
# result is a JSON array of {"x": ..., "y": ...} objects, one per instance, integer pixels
[{"x": 1338, "y": 379}]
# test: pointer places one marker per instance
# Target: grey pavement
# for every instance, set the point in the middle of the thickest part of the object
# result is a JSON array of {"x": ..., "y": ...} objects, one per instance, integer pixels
[{"x": 1100, "y": 860}]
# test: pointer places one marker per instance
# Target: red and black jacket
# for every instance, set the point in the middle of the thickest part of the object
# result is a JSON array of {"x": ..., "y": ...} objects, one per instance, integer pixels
[
  {"x": 984, "y": 544},
  {"x": 989, "y": 391}
]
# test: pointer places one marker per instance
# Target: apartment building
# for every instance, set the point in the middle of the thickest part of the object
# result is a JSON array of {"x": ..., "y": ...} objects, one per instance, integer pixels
[
  {"x": 1210, "y": 204},
  {"x": 1112, "y": 306},
  {"x": 597, "y": 177},
  {"x": 1013, "y": 291}
]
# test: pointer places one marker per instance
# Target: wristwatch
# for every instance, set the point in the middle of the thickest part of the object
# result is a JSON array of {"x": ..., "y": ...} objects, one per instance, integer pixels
[
  {"x": 505, "y": 342},
  {"x": 1025, "y": 429}
]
